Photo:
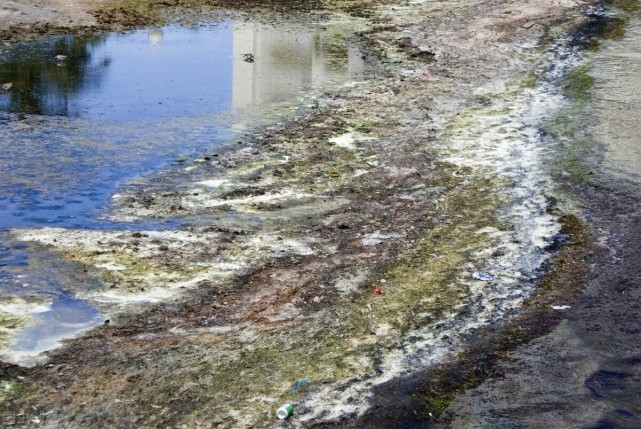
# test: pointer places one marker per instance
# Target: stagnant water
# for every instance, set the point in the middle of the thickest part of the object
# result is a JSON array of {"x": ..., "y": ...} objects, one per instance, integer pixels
[
  {"x": 617, "y": 73},
  {"x": 80, "y": 115}
]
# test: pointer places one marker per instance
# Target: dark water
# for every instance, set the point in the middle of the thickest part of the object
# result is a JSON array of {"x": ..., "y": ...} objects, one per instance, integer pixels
[{"x": 82, "y": 115}]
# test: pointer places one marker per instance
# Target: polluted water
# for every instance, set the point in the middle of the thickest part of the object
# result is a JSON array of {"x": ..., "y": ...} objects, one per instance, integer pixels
[{"x": 82, "y": 115}]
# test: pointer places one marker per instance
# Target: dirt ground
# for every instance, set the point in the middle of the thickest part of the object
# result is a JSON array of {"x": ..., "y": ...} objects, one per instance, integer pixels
[{"x": 577, "y": 368}]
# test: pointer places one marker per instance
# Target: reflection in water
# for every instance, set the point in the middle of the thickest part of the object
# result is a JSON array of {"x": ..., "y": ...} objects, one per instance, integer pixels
[
  {"x": 288, "y": 62},
  {"x": 65, "y": 317},
  {"x": 617, "y": 68},
  {"x": 116, "y": 108},
  {"x": 147, "y": 76},
  {"x": 155, "y": 37},
  {"x": 44, "y": 83}
]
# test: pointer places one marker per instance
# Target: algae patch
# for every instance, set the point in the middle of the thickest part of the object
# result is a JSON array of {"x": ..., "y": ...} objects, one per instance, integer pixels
[
  {"x": 578, "y": 84},
  {"x": 568, "y": 128}
]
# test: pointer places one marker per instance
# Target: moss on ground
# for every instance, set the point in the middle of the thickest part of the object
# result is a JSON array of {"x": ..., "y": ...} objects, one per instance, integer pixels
[{"x": 578, "y": 84}]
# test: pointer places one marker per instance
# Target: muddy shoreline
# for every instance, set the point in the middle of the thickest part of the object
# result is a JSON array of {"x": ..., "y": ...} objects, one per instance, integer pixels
[{"x": 340, "y": 226}]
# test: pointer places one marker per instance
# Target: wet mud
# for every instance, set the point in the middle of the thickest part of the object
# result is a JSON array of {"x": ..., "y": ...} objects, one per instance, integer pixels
[{"x": 341, "y": 246}]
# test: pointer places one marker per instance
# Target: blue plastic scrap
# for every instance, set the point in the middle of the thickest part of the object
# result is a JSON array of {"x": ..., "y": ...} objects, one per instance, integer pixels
[
  {"x": 298, "y": 385},
  {"x": 483, "y": 276}
]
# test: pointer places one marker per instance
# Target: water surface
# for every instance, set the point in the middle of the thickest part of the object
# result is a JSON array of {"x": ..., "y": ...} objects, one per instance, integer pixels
[
  {"x": 617, "y": 69},
  {"x": 85, "y": 113}
]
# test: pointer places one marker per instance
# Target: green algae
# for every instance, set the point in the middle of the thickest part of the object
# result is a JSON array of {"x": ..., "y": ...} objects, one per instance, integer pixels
[
  {"x": 615, "y": 29},
  {"x": 615, "y": 26},
  {"x": 426, "y": 280},
  {"x": 338, "y": 52},
  {"x": 464, "y": 122},
  {"x": 578, "y": 84},
  {"x": 568, "y": 128},
  {"x": 530, "y": 81},
  {"x": 10, "y": 389},
  {"x": 121, "y": 268}
]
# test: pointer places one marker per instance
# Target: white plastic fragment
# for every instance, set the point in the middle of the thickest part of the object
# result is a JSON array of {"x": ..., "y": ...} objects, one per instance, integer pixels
[{"x": 483, "y": 276}]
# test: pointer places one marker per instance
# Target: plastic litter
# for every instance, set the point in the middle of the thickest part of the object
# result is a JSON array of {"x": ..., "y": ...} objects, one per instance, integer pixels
[
  {"x": 298, "y": 385},
  {"x": 378, "y": 291},
  {"x": 483, "y": 276},
  {"x": 560, "y": 307},
  {"x": 285, "y": 411}
]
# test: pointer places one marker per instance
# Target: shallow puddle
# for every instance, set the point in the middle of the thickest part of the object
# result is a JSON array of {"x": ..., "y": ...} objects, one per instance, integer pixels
[
  {"x": 617, "y": 71},
  {"x": 81, "y": 115}
]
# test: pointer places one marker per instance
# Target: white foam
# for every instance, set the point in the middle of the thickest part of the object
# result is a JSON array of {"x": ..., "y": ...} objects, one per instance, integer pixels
[
  {"x": 285, "y": 195},
  {"x": 111, "y": 266},
  {"x": 348, "y": 140},
  {"x": 213, "y": 183}
]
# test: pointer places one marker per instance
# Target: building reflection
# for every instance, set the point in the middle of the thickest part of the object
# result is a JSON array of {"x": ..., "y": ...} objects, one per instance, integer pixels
[
  {"x": 155, "y": 36},
  {"x": 287, "y": 63}
]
